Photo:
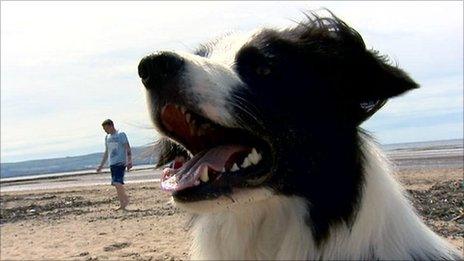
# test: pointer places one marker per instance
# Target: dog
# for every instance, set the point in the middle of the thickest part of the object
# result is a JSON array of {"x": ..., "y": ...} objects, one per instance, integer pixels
[{"x": 279, "y": 167}]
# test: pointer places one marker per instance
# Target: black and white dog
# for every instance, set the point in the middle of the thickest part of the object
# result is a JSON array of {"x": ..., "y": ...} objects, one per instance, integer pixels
[{"x": 279, "y": 167}]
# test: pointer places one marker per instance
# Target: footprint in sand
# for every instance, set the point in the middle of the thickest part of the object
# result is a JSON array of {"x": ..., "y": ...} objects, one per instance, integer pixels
[{"x": 116, "y": 246}]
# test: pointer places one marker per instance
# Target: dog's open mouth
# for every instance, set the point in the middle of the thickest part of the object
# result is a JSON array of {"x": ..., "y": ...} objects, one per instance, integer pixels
[{"x": 223, "y": 158}]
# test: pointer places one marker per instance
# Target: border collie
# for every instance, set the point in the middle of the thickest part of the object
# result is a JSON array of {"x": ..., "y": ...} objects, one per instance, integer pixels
[{"x": 278, "y": 166}]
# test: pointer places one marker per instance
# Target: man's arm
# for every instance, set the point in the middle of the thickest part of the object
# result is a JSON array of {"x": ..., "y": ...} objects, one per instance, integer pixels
[
  {"x": 129, "y": 156},
  {"x": 103, "y": 161}
]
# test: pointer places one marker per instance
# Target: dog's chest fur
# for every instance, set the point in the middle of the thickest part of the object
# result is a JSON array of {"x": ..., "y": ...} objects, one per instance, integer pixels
[
  {"x": 386, "y": 227},
  {"x": 270, "y": 229}
]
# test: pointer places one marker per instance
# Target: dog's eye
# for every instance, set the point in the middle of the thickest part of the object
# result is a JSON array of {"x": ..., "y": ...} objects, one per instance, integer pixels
[
  {"x": 253, "y": 64},
  {"x": 263, "y": 70}
]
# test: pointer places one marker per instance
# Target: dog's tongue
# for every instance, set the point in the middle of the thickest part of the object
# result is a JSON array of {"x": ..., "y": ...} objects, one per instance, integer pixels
[{"x": 189, "y": 174}]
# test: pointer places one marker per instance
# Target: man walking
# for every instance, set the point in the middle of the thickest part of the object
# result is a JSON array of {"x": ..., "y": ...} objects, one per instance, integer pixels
[{"x": 120, "y": 157}]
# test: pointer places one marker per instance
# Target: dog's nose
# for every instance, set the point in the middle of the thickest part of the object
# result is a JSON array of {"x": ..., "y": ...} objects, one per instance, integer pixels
[{"x": 158, "y": 69}]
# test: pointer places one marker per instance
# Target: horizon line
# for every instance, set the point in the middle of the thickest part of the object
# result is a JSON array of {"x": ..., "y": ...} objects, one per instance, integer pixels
[{"x": 142, "y": 146}]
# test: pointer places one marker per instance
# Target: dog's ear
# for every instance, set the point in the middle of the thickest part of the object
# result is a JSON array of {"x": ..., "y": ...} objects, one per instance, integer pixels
[
  {"x": 365, "y": 79},
  {"x": 390, "y": 80},
  {"x": 379, "y": 82},
  {"x": 167, "y": 150}
]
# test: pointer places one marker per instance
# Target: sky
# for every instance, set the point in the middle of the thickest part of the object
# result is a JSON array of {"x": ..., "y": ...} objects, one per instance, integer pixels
[{"x": 67, "y": 66}]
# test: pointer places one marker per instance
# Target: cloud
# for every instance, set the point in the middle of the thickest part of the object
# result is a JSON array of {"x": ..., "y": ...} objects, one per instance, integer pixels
[
  {"x": 424, "y": 133},
  {"x": 66, "y": 66},
  {"x": 59, "y": 32}
]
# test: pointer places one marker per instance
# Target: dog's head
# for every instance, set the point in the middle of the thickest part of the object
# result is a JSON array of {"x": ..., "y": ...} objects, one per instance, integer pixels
[{"x": 270, "y": 109}]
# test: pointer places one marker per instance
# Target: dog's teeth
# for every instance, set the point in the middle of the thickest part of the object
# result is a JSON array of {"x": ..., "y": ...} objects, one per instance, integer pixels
[
  {"x": 234, "y": 167},
  {"x": 204, "y": 175},
  {"x": 193, "y": 130},
  {"x": 257, "y": 156},
  {"x": 254, "y": 152},
  {"x": 187, "y": 117},
  {"x": 250, "y": 158},
  {"x": 183, "y": 109},
  {"x": 253, "y": 159},
  {"x": 223, "y": 169},
  {"x": 246, "y": 163},
  {"x": 254, "y": 156}
]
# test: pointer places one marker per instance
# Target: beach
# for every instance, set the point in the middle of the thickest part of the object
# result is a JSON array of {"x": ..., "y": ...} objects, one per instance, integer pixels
[
  {"x": 78, "y": 221},
  {"x": 81, "y": 223}
]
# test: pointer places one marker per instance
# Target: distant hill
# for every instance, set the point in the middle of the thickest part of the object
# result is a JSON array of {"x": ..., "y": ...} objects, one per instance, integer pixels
[
  {"x": 145, "y": 156},
  {"x": 140, "y": 156}
]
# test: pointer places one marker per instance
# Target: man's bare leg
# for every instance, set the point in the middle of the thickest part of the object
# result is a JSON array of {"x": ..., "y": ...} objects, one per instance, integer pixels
[{"x": 122, "y": 196}]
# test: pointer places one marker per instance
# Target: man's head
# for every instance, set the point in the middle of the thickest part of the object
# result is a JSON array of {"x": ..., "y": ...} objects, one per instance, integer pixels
[{"x": 108, "y": 126}]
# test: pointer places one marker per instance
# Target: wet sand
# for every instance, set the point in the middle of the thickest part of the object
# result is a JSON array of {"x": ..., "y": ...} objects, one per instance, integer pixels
[
  {"x": 60, "y": 180},
  {"x": 80, "y": 223}
]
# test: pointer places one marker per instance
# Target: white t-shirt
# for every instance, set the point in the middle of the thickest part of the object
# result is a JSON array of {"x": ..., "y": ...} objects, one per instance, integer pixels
[{"x": 115, "y": 144}]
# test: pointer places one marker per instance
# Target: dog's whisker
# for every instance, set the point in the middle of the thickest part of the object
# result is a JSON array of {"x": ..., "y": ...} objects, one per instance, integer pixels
[{"x": 242, "y": 105}]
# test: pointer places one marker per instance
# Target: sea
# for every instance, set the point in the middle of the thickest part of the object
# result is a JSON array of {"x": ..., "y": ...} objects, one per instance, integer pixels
[
  {"x": 425, "y": 145},
  {"x": 429, "y": 153},
  {"x": 414, "y": 155}
]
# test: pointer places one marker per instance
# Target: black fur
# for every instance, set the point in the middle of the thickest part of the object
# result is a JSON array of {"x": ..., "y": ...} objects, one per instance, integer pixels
[
  {"x": 311, "y": 87},
  {"x": 307, "y": 90}
]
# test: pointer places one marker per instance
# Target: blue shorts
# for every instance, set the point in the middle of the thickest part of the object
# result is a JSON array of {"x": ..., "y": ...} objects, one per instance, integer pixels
[{"x": 117, "y": 174}]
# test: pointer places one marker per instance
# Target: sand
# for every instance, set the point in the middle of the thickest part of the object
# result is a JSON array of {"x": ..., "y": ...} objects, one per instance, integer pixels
[{"x": 80, "y": 223}]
